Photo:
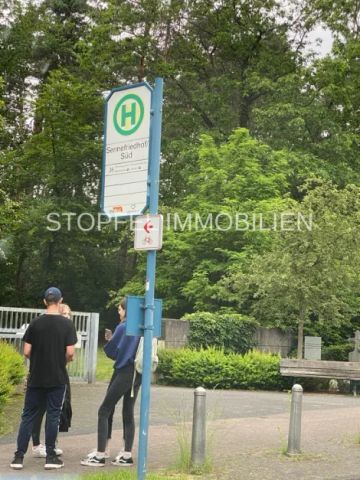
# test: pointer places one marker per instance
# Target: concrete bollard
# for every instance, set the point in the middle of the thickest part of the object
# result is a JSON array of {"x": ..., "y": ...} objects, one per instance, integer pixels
[
  {"x": 295, "y": 420},
  {"x": 198, "y": 441}
]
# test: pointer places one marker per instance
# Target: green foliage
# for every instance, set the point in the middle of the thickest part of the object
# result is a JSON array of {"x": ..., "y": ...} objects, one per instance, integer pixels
[
  {"x": 249, "y": 115},
  {"x": 164, "y": 372},
  {"x": 183, "y": 462},
  {"x": 12, "y": 371},
  {"x": 104, "y": 367},
  {"x": 231, "y": 332},
  {"x": 203, "y": 237},
  {"x": 212, "y": 368},
  {"x": 63, "y": 158},
  {"x": 61, "y": 177},
  {"x": 309, "y": 275},
  {"x": 338, "y": 352}
]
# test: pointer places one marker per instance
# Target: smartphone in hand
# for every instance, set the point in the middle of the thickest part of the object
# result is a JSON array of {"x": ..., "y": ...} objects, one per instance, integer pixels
[{"x": 108, "y": 334}]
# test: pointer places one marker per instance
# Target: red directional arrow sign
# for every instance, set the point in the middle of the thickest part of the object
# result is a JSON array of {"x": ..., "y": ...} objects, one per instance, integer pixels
[
  {"x": 148, "y": 226},
  {"x": 148, "y": 232}
]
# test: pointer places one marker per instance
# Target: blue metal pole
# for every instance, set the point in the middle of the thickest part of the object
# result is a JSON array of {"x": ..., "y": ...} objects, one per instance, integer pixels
[{"x": 155, "y": 148}]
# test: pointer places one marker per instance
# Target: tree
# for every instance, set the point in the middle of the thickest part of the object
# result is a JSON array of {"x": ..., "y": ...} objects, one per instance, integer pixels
[
  {"x": 318, "y": 112},
  {"x": 57, "y": 171},
  {"x": 226, "y": 64},
  {"x": 307, "y": 275},
  {"x": 204, "y": 237},
  {"x": 342, "y": 17},
  {"x": 16, "y": 31},
  {"x": 220, "y": 61}
]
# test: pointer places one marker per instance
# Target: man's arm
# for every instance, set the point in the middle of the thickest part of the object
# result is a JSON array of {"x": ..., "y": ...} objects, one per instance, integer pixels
[
  {"x": 27, "y": 349},
  {"x": 70, "y": 353}
]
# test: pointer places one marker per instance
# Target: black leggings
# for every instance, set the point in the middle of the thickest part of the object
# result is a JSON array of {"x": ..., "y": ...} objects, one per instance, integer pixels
[{"x": 120, "y": 386}]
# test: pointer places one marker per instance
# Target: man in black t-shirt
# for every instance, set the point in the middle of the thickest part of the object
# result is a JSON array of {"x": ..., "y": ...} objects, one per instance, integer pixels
[{"x": 49, "y": 343}]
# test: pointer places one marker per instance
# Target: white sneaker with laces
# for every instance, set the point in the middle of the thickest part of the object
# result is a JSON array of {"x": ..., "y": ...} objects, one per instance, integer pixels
[
  {"x": 93, "y": 461},
  {"x": 123, "y": 460},
  {"x": 94, "y": 452},
  {"x": 39, "y": 451},
  {"x": 58, "y": 451}
]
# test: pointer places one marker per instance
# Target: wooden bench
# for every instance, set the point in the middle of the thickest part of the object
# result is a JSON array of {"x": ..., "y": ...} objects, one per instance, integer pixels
[{"x": 320, "y": 369}]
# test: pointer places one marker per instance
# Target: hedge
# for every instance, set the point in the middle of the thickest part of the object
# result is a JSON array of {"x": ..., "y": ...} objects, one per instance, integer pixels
[
  {"x": 231, "y": 332},
  {"x": 12, "y": 371},
  {"x": 339, "y": 352},
  {"x": 213, "y": 368}
]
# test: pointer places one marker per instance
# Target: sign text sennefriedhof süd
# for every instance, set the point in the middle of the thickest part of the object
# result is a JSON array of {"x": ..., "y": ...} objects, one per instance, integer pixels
[{"x": 126, "y": 151}]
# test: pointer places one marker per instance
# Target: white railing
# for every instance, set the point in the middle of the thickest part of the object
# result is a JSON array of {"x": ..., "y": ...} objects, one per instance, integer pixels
[{"x": 14, "y": 320}]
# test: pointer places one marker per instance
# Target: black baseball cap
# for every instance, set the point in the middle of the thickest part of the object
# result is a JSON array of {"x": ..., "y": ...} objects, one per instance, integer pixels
[{"x": 53, "y": 294}]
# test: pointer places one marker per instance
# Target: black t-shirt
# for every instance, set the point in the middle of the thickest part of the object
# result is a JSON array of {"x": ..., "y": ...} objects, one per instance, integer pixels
[{"x": 49, "y": 335}]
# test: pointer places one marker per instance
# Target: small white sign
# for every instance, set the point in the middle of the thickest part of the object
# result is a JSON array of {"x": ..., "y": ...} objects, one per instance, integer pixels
[
  {"x": 21, "y": 332},
  {"x": 79, "y": 338},
  {"x": 148, "y": 232}
]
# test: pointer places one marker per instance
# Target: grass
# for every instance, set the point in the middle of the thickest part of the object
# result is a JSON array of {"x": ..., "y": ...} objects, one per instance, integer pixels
[
  {"x": 183, "y": 425},
  {"x": 183, "y": 437},
  {"x": 132, "y": 476},
  {"x": 10, "y": 416},
  {"x": 283, "y": 442},
  {"x": 104, "y": 366},
  {"x": 183, "y": 463}
]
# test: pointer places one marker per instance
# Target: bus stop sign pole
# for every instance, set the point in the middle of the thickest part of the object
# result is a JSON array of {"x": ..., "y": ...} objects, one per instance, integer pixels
[{"x": 155, "y": 147}]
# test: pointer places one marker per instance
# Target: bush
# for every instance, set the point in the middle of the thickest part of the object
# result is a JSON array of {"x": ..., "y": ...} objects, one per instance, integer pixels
[
  {"x": 12, "y": 371},
  {"x": 231, "y": 332},
  {"x": 213, "y": 368},
  {"x": 338, "y": 352},
  {"x": 164, "y": 370}
]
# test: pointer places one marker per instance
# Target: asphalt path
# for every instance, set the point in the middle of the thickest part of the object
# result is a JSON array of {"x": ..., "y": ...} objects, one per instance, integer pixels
[
  {"x": 247, "y": 434},
  {"x": 173, "y": 405}
]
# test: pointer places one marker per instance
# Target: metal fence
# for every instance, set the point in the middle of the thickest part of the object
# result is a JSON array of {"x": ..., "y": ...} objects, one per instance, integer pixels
[{"x": 13, "y": 323}]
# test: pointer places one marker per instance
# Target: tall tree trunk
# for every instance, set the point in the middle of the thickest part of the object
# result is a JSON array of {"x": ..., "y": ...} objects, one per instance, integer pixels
[
  {"x": 18, "y": 280},
  {"x": 300, "y": 344},
  {"x": 244, "y": 116}
]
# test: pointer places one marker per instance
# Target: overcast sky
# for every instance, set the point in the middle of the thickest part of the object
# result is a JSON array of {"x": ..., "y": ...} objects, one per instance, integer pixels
[{"x": 326, "y": 41}]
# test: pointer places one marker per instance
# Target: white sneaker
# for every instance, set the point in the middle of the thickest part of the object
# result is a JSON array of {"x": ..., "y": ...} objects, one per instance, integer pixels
[
  {"x": 93, "y": 461},
  {"x": 39, "y": 451},
  {"x": 94, "y": 452},
  {"x": 58, "y": 451},
  {"x": 123, "y": 461}
]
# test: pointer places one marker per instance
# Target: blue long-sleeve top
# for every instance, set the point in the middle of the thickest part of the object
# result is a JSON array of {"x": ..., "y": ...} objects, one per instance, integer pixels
[{"x": 122, "y": 348}]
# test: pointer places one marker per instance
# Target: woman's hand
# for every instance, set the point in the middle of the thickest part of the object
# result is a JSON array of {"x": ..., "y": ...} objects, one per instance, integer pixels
[{"x": 108, "y": 334}]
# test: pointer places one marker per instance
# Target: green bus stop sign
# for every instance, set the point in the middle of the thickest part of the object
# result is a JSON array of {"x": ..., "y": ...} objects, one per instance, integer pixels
[{"x": 128, "y": 114}]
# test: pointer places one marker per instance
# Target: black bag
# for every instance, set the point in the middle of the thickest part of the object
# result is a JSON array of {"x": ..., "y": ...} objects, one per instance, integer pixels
[{"x": 66, "y": 412}]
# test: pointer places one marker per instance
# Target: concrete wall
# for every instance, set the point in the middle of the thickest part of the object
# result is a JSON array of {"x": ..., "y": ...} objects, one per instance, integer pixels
[
  {"x": 273, "y": 340},
  {"x": 175, "y": 333}
]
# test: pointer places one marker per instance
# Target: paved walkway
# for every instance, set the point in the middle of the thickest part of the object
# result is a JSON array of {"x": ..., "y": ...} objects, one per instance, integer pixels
[{"x": 247, "y": 435}]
